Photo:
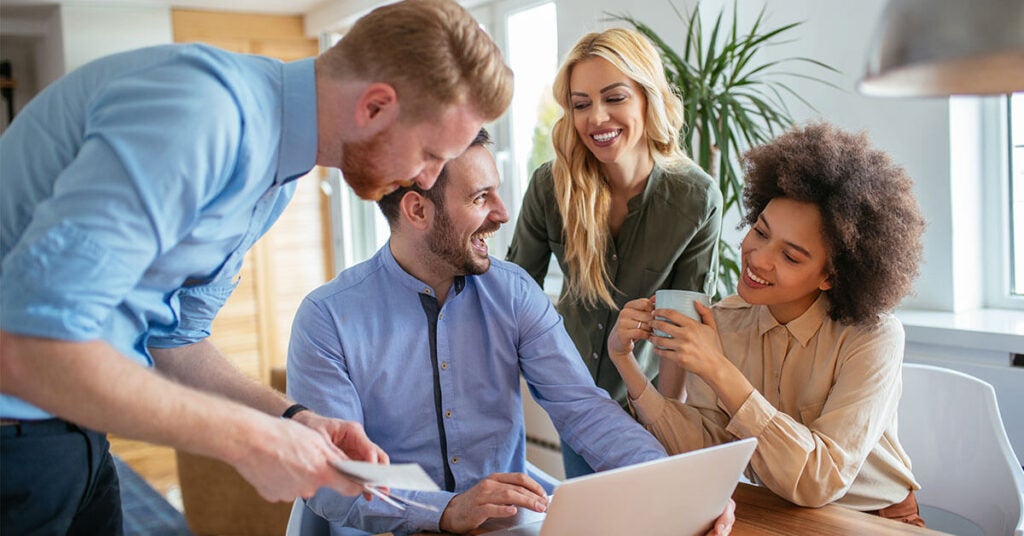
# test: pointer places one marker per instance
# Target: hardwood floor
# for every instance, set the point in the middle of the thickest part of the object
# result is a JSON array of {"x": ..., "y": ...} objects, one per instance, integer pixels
[{"x": 156, "y": 464}]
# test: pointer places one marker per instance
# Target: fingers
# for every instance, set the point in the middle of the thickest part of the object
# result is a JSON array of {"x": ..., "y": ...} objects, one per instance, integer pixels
[
  {"x": 514, "y": 489},
  {"x": 723, "y": 525},
  {"x": 707, "y": 317},
  {"x": 498, "y": 495},
  {"x": 524, "y": 480}
]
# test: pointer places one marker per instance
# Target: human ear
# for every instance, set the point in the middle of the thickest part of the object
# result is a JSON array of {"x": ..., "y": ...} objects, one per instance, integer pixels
[
  {"x": 417, "y": 210},
  {"x": 377, "y": 104},
  {"x": 826, "y": 283}
]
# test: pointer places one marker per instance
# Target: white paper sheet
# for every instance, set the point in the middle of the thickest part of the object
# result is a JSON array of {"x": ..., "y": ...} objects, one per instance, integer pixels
[{"x": 408, "y": 476}]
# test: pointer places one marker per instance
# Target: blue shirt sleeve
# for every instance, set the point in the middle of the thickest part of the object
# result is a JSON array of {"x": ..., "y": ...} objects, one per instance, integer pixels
[
  {"x": 318, "y": 379},
  {"x": 130, "y": 192},
  {"x": 585, "y": 416}
]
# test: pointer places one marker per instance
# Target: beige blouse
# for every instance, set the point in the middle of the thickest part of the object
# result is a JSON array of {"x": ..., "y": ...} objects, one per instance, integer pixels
[{"x": 823, "y": 407}]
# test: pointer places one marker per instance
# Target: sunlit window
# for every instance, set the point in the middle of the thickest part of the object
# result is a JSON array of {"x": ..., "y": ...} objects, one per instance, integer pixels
[{"x": 1016, "y": 113}]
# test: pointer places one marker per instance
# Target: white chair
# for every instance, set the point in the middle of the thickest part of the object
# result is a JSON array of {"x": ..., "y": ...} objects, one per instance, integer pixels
[
  {"x": 950, "y": 426},
  {"x": 303, "y": 522}
]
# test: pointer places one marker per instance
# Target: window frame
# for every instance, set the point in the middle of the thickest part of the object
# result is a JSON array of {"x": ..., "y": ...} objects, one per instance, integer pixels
[{"x": 997, "y": 173}]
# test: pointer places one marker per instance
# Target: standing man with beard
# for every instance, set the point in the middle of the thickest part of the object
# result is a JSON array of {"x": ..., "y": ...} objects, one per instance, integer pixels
[
  {"x": 424, "y": 344},
  {"x": 132, "y": 189}
]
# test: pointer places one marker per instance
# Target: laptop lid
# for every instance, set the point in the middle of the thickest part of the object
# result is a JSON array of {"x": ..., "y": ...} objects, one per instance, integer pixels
[{"x": 674, "y": 496}]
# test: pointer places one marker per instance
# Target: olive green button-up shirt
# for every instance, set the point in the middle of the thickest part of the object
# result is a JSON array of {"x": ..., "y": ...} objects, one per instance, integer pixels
[{"x": 668, "y": 240}]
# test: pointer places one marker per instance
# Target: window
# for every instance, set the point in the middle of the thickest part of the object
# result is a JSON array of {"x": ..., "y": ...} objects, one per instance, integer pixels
[
  {"x": 528, "y": 34},
  {"x": 1015, "y": 117}
]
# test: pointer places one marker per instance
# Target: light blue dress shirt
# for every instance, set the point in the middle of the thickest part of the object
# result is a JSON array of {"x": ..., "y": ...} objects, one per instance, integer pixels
[
  {"x": 133, "y": 187},
  {"x": 361, "y": 350}
]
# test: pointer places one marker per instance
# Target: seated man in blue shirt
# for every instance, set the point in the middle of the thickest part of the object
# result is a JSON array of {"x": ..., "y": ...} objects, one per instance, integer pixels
[
  {"x": 424, "y": 344},
  {"x": 132, "y": 189}
]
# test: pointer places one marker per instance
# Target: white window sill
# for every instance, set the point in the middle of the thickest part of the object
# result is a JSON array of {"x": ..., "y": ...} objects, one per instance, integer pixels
[{"x": 997, "y": 330}]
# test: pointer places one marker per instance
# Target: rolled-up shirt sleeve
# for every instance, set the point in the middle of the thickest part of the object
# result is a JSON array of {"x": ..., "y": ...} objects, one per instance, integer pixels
[
  {"x": 680, "y": 427},
  {"x": 129, "y": 193}
]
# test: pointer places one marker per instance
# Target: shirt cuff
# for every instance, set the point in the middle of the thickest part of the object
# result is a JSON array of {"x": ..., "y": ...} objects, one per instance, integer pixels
[
  {"x": 649, "y": 406},
  {"x": 753, "y": 416},
  {"x": 420, "y": 519}
]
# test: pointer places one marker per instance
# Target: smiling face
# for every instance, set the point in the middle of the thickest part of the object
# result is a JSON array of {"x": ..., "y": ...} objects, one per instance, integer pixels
[
  {"x": 785, "y": 259},
  {"x": 608, "y": 111},
  {"x": 402, "y": 154},
  {"x": 472, "y": 211}
]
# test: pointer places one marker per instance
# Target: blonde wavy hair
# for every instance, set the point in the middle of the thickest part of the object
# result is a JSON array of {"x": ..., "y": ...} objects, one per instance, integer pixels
[{"x": 584, "y": 198}]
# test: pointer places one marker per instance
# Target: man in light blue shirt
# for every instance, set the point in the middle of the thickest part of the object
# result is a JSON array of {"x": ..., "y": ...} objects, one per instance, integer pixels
[
  {"x": 132, "y": 189},
  {"x": 424, "y": 344}
]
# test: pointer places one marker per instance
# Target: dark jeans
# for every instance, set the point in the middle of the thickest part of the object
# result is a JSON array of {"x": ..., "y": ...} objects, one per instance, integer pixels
[
  {"x": 57, "y": 478},
  {"x": 574, "y": 464}
]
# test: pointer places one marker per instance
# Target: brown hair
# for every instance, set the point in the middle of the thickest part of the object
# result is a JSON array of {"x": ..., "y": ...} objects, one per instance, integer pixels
[
  {"x": 872, "y": 225},
  {"x": 389, "y": 203},
  {"x": 431, "y": 51},
  {"x": 583, "y": 196}
]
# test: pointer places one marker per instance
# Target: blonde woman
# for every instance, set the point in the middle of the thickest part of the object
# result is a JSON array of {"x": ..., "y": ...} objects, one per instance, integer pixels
[{"x": 622, "y": 209}]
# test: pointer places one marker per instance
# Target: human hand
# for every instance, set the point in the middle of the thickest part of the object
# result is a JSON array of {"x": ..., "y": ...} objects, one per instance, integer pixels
[
  {"x": 723, "y": 525},
  {"x": 346, "y": 435},
  {"x": 286, "y": 459},
  {"x": 634, "y": 323},
  {"x": 498, "y": 495},
  {"x": 693, "y": 345}
]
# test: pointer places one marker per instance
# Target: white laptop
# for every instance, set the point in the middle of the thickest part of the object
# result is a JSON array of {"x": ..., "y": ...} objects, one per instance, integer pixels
[{"x": 676, "y": 496}]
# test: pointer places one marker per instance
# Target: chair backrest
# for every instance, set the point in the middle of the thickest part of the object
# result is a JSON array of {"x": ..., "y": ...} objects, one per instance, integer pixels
[
  {"x": 950, "y": 426},
  {"x": 304, "y": 522}
]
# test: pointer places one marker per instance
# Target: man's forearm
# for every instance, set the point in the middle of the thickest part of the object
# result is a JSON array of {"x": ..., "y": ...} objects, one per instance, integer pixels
[
  {"x": 93, "y": 385},
  {"x": 203, "y": 367}
]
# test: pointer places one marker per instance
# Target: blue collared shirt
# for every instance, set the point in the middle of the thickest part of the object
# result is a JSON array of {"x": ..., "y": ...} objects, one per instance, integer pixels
[
  {"x": 361, "y": 350},
  {"x": 133, "y": 187}
]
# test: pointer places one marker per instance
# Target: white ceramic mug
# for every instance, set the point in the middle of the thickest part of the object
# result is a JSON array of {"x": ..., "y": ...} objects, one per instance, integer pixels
[{"x": 679, "y": 300}]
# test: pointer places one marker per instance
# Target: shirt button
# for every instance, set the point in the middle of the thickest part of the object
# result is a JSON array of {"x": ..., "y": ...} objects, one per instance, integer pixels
[
  {"x": 600, "y": 325},
  {"x": 615, "y": 257},
  {"x": 594, "y": 355},
  {"x": 455, "y": 459},
  {"x": 444, "y": 365},
  {"x": 440, "y": 316},
  {"x": 426, "y": 290},
  {"x": 448, "y": 414}
]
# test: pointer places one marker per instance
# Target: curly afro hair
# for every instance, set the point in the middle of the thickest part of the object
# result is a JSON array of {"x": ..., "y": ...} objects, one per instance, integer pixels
[{"x": 872, "y": 224}]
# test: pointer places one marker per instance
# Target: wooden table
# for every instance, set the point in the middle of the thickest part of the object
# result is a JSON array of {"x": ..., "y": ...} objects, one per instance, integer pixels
[{"x": 759, "y": 512}]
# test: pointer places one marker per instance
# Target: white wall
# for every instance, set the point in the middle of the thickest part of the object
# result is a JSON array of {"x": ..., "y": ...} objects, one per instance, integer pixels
[{"x": 91, "y": 31}]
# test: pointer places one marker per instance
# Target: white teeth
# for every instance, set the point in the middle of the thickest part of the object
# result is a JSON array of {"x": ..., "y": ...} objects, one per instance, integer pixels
[
  {"x": 484, "y": 236},
  {"x": 607, "y": 136},
  {"x": 755, "y": 278}
]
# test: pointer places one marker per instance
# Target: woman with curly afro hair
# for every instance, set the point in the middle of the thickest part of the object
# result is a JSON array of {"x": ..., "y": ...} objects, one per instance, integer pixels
[{"x": 807, "y": 357}]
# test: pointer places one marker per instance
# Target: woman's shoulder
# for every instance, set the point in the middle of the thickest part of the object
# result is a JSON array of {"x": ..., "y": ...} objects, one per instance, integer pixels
[
  {"x": 687, "y": 174},
  {"x": 686, "y": 183},
  {"x": 885, "y": 327}
]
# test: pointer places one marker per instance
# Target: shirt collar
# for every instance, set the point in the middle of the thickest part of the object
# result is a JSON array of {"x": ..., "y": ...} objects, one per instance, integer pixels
[
  {"x": 405, "y": 279},
  {"x": 802, "y": 327},
  {"x": 652, "y": 183},
  {"x": 297, "y": 150}
]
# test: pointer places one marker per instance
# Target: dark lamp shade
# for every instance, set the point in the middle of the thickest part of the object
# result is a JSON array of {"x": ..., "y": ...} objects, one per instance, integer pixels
[{"x": 932, "y": 48}]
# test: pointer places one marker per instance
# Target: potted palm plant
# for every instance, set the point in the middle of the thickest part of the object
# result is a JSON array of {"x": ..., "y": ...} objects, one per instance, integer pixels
[{"x": 731, "y": 102}]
